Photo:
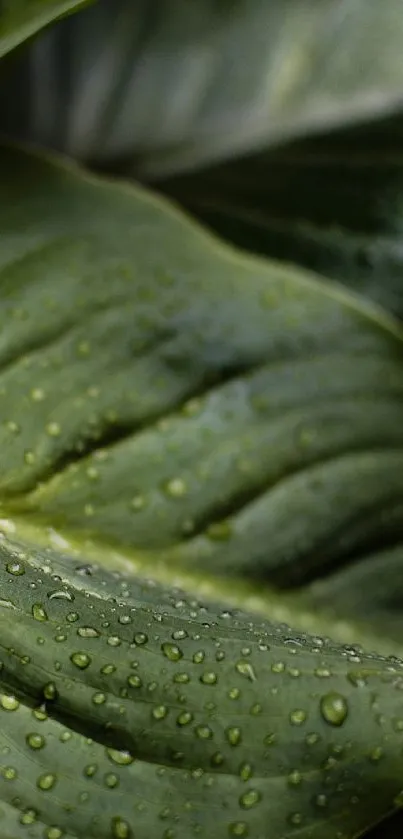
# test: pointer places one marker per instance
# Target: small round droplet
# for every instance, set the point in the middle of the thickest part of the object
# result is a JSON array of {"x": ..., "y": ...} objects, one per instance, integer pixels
[
  {"x": 249, "y": 799},
  {"x": 35, "y": 741},
  {"x": 159, "y": 712},
  {"x": 208, "y": 678},
  {"x": 37, "y": 394},
  {"x": 138, "y": 503},
  {"x": 140, "y": 638},
  {"x": 238, "y": 829},
  {"x": 234, "y": 735},
  {"x": 80, "y": 660},
  {"x": 111, "y": 780},
  {"x": 171, "y": 651},
  {"x": 176, "y": 488},
  {"x": 46, "y": 782},
  {"x": 334, "y": 708},
  {"x": 53, "y": 429},
  {"x": 134, "y": 681},
  {"x": 203, "y": 732},
  {"x": 28, "y": 817},
  {"x": 120, "y": 829},
  {"x": 184, "y": 718},
  {"x": 8, "y": 702},
  {"x": 298, "y": 716}
]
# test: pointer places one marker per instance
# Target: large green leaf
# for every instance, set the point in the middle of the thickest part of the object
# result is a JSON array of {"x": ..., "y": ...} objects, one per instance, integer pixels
[
  {"x": 174, "y": 84},
  {"x": 129, "y": 711},
  {"x": 333, "y": 204},
  {"x": 193, "y": 407},
  {"x": 20, "y": 19}
]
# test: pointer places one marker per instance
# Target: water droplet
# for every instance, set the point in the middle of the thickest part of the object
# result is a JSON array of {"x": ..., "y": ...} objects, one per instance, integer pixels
[
  {"x": 98, "y": 698},
  {"x": 53, "y": 833},
  {"x": 50, "y": 691},
  {"x": 171, "y": 651},
  {"x": 246, "y": 669},
  {"x": 321, "y": 800},
  {"x": 90, "y": 770},
  {"x": 298, "y": 716},
  {"x": 184, "y": 718},
  {"x": 38, "y": 612},
  {"x": 176, "y": 488},
  {"x": 29, "y": 457},
  {"x": 108, "y": 669},
  {"x": 15, "y": 568},
  {"x": 80, "y": 660},
  {"x": 120, "y": 828},
  {"x": 114, "y": 641},
  {"x": 46, "y": 782},
  {"x": 134, "y": 681},
  {"x": 37, "y": 394},
  {"x": 203, "y": 732},
  {"x": 28, "y": 817},
  {"x": 88, "y": 632},
  {"x": 249, "y": 799},
  {"x": 234, "y": 693},
  {"x": 245, "y": 772},
  {"x": 159, "y": 712},
  {"x": 8, "y": 702},
  {"x": 61, "y": 594},
  {"x": 294, "y": 778},
  {"x": 334, "y": 708},
  {"x": 208, "y": 678},
  {"x": 138, "y": 503},
  {"x": 53, "y": 429},
  {"x": 238, "y": 829},
  {"x": 121, "y": 758},
  {"x": 140, "y": 638},
  {"x": 72, "y": 617},
  {"x": 9, "y": 773},
  {"x": 198, "y": 657},
  {"x": 233, "y": 735},
  {"x": 35, "y": 741}
]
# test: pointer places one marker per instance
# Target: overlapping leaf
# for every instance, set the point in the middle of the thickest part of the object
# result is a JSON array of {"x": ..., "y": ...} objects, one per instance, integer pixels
[
  {"x": 177, "y": 84},
  {"x": 333, "y": 204}
]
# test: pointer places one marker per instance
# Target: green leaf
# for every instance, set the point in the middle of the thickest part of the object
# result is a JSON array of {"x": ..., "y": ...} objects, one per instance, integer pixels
[
  {"x": 163, "y": 82},
  {"x": 195, "y": 408},
  {"x": 20, "y": 19},
  {"x": 129, "y": 711},
  {"x": 333, "y": 204}
]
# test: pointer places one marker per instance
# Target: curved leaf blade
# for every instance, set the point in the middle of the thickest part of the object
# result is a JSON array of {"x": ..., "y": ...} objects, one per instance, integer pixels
[
  {"x": 270, "y": 441},
  {"x": 20, "y": 19},
  {"x": 199, "y": 721}
]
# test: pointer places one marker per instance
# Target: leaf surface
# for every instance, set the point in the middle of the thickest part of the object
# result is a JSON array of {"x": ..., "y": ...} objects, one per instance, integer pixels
[
  {"x": 130, "y": 711},
  {"x": 199, "y": 409}
]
